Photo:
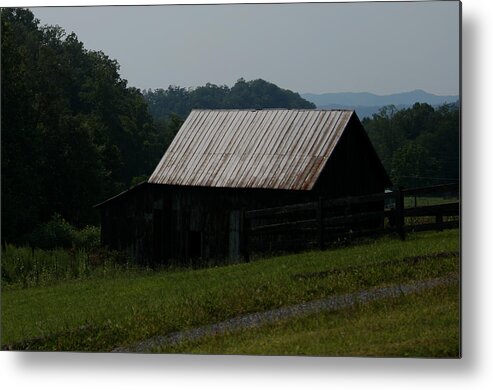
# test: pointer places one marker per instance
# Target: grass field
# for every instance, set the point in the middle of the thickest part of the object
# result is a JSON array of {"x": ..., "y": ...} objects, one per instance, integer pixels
[
  {"x": 24, "y": 267},
  {"x": 100, "y": 314},
  {"x": 421, "y": 325}
]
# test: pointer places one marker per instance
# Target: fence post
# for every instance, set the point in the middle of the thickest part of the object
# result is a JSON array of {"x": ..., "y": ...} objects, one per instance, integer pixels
[
  {"x": 320, "y": 224},
  {"x": 245, "y": 231},
  {"x": 439, "y": 221},
  {"x": 399, "y": 212}
]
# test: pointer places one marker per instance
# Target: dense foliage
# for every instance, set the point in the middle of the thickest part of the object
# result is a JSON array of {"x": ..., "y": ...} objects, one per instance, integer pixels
[
  {"x": 419, "y": 145},
  {"x": 72, "y": 131},
  {"x": 244, "y": 94}
]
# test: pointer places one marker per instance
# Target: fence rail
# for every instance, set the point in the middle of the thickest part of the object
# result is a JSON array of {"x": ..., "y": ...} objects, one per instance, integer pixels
[{"x": 315, "y": 224}]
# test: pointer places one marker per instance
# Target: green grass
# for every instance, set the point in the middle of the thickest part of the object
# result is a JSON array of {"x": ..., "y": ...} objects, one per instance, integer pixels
[
  {"x": 24, "y": 267},
  {"x": 421, "y": 325},
  {"x": 101, "y": 314},
  {"x": 411, "y": 201}
]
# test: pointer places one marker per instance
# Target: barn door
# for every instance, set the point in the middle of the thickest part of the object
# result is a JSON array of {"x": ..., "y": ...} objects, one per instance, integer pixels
[{"x": 234, "y": 235}]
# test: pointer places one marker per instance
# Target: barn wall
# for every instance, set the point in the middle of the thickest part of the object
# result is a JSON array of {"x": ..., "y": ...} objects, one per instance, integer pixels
[
  {"x": 172, "y": 225},
  {"x": 205, "y": 223}
]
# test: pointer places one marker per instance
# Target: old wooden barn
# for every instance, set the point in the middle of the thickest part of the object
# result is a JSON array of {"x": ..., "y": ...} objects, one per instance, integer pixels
[{"x": 223, "y": 162}]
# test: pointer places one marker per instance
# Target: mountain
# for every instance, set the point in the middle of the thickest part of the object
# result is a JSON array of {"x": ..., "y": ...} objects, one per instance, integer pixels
[
  {"x": 366, "y": 103},
  {"x": 244, "y": 94}
]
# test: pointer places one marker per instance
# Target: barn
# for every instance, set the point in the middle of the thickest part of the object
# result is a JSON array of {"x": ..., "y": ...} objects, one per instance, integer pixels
[{"x": 223, "y": 162}]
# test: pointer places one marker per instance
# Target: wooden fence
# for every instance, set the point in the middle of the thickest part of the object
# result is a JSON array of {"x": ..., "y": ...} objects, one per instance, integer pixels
[{"x": 318, "y": 224}]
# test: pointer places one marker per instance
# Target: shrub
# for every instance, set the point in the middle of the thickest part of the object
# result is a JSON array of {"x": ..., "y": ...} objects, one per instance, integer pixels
[
  {"x": 87, "y": 238},
  {"x": 56, "y": 233}
]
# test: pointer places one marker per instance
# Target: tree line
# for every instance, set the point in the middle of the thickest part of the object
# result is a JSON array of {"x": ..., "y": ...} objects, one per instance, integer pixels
[
  {"x": 418, "y": 146},
  {"x": 244, "y": 94},
  {"x": 73, "y": 132}
]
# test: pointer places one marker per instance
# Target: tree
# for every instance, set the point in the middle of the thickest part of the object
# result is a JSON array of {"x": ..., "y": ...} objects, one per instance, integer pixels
[
  {"x": 420, "y": 141},
  {"x": 244, "y": 94},
  {"x": 73, "y": 133},
  {"x": 411, "y": 164},
  {"x": 385, "y": 134}
]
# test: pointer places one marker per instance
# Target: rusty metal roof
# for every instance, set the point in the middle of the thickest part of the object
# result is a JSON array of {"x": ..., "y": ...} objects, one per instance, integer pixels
[{"x": 271, "y": 148}]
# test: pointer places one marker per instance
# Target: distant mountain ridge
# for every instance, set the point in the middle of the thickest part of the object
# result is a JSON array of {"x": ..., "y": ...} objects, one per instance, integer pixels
[{"x": 366, "y": 103}]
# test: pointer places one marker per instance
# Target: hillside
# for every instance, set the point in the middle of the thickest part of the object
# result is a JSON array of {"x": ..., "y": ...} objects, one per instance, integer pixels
[
  {"x": 122, "y": 308},
  {"x": 244, "y": 94}
]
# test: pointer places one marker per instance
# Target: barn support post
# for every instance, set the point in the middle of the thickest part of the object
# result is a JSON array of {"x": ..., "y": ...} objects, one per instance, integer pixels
[
  {"x": 399, "y": 212},
  {"x": 245, "y": 231},
  {"x": 163, "y": 228},
  {"x": 186, "y": 237},
  {"x": 102, "y": 217},
  {"x": 320, "y": 224},
  {"x": 439, "y": 221}
]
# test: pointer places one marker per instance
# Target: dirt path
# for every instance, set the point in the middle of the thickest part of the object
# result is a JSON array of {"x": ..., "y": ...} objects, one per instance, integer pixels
[{"x": 257, "y": 319}]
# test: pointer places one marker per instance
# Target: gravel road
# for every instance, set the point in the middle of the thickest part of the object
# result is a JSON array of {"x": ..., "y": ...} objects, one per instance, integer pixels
[{"x": 256, "y": 319}]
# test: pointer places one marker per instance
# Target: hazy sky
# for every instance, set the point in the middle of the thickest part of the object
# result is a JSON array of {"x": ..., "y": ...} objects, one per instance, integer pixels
[{"x": 332, "y": 47}]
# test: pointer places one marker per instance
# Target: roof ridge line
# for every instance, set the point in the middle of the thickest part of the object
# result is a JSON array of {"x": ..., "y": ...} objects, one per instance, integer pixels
[{"x": 274, "y": 109}]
